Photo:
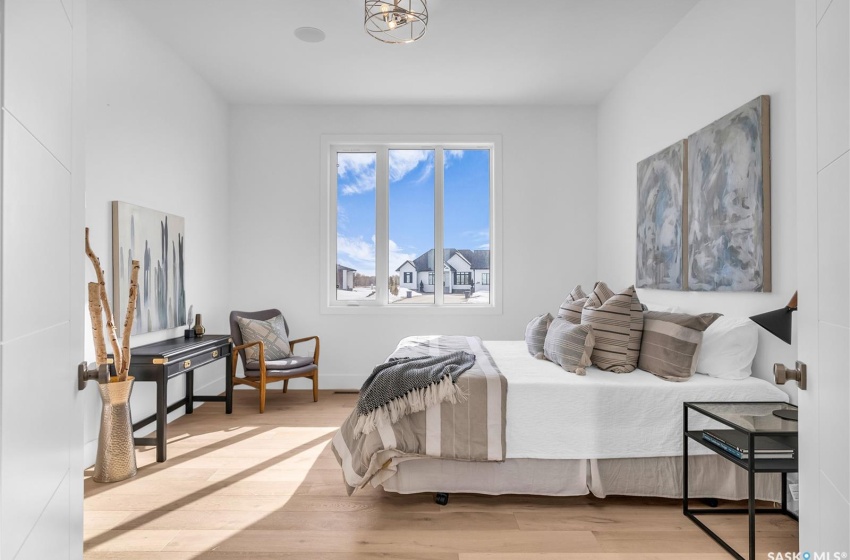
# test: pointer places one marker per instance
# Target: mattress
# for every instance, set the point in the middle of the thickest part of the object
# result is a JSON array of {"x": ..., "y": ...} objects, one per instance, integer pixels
[{"x": 554, "y": 414}]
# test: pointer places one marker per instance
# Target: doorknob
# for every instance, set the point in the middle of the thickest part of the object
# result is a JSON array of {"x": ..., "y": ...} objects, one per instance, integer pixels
[
  {"x": 782, "y": 374},
  {"x": 92, "y": 372}
]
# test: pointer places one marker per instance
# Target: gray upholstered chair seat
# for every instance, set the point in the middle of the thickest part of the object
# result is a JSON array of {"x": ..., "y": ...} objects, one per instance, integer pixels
[
  {"x": 255, "y": 373},
  {"x": 293, "y": 362}
]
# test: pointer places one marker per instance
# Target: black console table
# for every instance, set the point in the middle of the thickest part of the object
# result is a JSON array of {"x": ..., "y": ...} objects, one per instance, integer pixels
[{"x": 162, "y": 361}]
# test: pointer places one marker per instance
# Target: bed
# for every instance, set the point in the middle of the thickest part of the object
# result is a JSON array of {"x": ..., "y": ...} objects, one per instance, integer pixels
[{"x": 567, "y": 435}]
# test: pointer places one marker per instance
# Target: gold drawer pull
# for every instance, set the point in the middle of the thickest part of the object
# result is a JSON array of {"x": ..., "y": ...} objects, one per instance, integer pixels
[
  {"x": 215, "y": 354},
  {"x": 187, "y": 364}
]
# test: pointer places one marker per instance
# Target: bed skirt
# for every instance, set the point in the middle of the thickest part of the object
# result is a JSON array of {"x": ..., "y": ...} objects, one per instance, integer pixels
[{"x": 711, "y": 476}]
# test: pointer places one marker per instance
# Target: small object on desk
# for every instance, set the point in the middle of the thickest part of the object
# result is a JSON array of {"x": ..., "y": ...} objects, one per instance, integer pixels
[
  {"x": 190, "y": 325},
  {"x": 199, "y": 327}
]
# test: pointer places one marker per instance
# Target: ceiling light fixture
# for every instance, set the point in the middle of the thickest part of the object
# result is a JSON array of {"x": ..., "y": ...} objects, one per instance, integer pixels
[{"x": 396, "y": 21}]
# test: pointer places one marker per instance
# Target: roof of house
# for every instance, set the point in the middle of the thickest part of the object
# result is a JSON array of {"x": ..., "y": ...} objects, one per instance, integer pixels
[
  {"x": 340, "y": 267},
  {"x": 477, "y": 259}
]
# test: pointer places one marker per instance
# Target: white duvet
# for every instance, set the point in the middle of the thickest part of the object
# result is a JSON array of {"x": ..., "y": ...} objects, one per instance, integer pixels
[{"x": 553, "y": 414}]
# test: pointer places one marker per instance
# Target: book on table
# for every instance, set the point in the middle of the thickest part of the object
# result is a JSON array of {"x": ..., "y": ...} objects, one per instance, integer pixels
[{"x": 736, "y": 443}]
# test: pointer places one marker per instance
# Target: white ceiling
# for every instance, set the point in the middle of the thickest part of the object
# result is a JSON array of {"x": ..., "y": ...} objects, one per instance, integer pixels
[{"x": 475, "y": 51}]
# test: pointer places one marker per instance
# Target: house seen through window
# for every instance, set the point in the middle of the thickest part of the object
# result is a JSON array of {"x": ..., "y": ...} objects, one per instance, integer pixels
[{"x": 412, "y": 180}]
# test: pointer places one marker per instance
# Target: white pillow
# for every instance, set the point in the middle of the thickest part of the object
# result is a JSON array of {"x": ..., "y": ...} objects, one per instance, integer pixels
[
  {"x": 728, "y": 348},
  {"x": 663, "y": 308}
]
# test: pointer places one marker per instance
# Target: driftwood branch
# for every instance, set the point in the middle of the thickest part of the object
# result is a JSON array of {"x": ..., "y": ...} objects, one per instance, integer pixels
[
  {"x": 96, "y": 312},
  {"x": 107, "y": 310},
  {"x": 128, "y": 320}
]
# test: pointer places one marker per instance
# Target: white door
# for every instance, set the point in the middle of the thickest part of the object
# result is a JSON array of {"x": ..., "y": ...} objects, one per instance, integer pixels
[
  {"x": 41, "y": 278},
  {"x": 823, "y": 203}
]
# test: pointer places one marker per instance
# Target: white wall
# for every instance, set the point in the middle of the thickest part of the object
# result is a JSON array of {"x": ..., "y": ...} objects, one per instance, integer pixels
[
  {"x": 549, "y": 173},
  {"x": 157, "y": 137},
  {"x": 722, "y": 54}
]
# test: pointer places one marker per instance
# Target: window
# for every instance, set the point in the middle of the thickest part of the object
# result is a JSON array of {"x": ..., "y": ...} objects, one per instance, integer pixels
[
  {"x": 400, "y": 211},
  {"x": 355, "y": 223}
]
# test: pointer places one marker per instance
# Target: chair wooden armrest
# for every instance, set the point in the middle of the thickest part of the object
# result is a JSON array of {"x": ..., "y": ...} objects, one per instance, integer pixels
[
  {"x": 292, "y": 344},
  {"x": 262, "y": 352}
]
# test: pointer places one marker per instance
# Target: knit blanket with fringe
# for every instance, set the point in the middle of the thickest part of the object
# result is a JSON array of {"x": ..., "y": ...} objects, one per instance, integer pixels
[{"x": 402, "y": 386}]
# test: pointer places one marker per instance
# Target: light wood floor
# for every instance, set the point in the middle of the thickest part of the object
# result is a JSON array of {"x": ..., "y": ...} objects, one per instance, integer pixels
[{"x": 267, "y": 486}]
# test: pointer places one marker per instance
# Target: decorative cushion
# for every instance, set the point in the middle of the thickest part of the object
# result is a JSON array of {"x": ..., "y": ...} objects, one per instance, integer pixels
[
  {"x": 271, "y": 333},
  {"x": 671, "y": 343},
  {"x": 535, "y": 334},
  {"x": 728, "y": 348},
  {"x": 571, "y": 308},
  {"x": 569, "y": 345},
  {"x": 617, "y": 321}
]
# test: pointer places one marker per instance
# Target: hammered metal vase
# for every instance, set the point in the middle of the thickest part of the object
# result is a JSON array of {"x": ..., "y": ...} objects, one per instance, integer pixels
[{"x": 116, "y": 454}]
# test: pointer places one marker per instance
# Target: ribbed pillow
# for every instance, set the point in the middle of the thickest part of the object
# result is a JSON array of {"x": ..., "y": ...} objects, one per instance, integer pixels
[
  {"x": 535, "y": 334},
  {"x": 671, "y": 343},
  {"x": 617, "y": 321},
  {"x": 271, "y": 333},
  {"x": 572, "y": 306},
  {"x": 569, "y": 345}
]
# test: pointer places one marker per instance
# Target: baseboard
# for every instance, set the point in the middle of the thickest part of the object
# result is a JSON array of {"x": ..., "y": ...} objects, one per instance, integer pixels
[
  {"x": 327, "y": 382},
  {"x": 214, "y": 387}
]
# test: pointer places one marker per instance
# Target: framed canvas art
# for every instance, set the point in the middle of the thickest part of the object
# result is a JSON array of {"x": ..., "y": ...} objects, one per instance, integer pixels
[
  {"x": 729, "y": 202},
  {"x": 157, "y": 240},
  {"x": 662, "y": 181}
]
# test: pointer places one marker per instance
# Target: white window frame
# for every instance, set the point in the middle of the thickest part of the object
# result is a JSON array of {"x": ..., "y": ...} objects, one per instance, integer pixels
[{"x": 331, "y": 145}]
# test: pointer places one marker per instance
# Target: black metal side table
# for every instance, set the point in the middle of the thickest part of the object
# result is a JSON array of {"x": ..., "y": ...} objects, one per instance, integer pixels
[{"x": 754, "y": 420}]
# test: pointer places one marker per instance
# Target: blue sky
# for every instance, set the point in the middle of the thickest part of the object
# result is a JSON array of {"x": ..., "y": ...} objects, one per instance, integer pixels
[{"x": 411, "y": 202}]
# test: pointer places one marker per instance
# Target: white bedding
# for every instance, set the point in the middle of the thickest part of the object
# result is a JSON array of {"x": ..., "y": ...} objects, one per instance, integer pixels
[{"x": 553, "y": 414}]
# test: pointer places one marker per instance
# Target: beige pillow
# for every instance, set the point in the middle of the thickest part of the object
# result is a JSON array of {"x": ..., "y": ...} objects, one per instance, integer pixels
[
  {"x": 572, "y": 306},
  {"x": 569, "y": 345},
  {"x": 617, "y": 321},
  {"x": 271, "y": 333},
  {"x": 535, "y": 334},
  {"x": 671, "y": 343}
]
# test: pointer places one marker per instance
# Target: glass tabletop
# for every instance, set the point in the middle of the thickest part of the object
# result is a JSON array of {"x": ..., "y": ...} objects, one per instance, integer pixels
[{"x": 750, "y": 417}]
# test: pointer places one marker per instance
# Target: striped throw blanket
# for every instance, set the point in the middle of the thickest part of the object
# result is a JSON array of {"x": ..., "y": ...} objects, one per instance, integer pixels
[
  {"x": 402, "y": 386},
  {"x": 469, "y": 429}
]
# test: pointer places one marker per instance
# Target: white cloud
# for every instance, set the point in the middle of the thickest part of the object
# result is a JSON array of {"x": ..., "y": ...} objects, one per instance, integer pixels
[
  {"x": 477, "y": 235},
  {"x": 398, "y": 256},
  {"x": 356, "y": 172},
  {"x": 358, "y": 253},
  {"x": 452, "y": 154},
  {"x": 403, "y": 162},
  {"x": 355, "y": 162}
]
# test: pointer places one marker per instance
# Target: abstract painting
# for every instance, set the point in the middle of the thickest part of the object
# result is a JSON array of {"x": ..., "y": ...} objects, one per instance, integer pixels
[
  {"x": 662, "y": 186},
  {"x": 156, "y": 240},
  {"x": 729, "y": 202}
]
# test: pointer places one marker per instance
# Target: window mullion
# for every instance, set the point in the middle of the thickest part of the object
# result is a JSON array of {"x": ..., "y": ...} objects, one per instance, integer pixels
[
  {"x": 438, "y": 227},
  {"x": 382, "y": 243},
  {"x": 332, "y": 257}
]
